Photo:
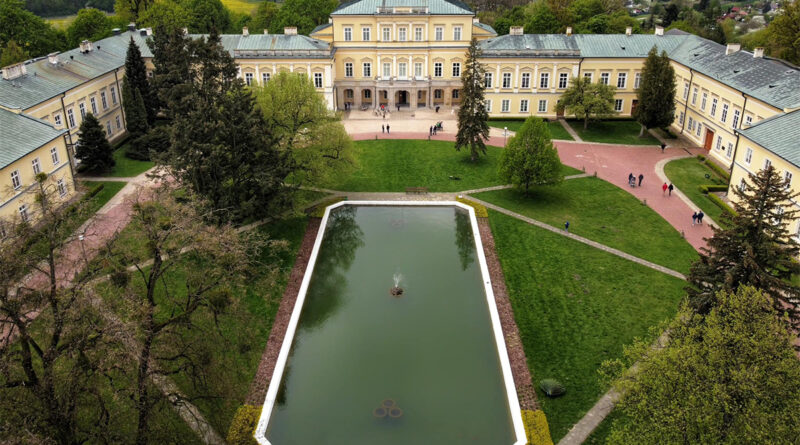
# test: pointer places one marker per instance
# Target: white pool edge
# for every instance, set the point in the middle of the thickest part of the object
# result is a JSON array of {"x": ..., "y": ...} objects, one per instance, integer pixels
[{"x": 497, "y": 329}]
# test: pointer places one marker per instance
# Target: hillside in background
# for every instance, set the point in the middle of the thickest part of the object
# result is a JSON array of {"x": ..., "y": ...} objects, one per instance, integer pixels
[{"x": 52, "y": 8}]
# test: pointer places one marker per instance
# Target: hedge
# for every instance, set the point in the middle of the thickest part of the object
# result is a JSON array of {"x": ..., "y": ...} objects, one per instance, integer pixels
[
  {"x": 721, "y": 204},
  {"x": 536, "y": 429},
  {"x": 480, "y": 211},
  {"x": 705, "y": 188},
  {"x": 701, "y": 158},
  {"x": 243, "y": 426},
  {"x": 719, "y": 170}
]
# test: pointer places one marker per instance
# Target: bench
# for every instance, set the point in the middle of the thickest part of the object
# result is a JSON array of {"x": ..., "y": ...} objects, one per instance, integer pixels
[{"x": 416, "y": 190}]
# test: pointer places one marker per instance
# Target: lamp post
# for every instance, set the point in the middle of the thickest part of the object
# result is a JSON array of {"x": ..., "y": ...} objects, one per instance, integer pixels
[
  {"x": 505, "y": 135},
  {"x": 83, "y": 249}
]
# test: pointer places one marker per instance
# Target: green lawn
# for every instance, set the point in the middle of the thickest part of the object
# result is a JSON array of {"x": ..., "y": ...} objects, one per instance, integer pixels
[
  {"x": 687, "y": 174},
  {"x": 126, "y": 167},
  {"x": 601, "y": 433},
  {"x": 241, "y": 6},
  {"x": 557, "y": 131},
  {"x": 575, "y": 307},
  {"x": 391, "y": 165},
  {"x": 613, "y": 132},
  {"x": 110, "y": 188},
  {"x": 604, "y": 213}
]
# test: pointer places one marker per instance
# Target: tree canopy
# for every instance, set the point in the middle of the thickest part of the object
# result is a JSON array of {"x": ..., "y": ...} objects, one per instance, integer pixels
[
  {"x": 90, "y": 24},
  {"x": 588, "y": 101},
  {"x": 30, "y": 32},
  {"x": 656, "y": 94},
  {"x": 93, "y": 149},
  {"x": 530, "y": 158}
]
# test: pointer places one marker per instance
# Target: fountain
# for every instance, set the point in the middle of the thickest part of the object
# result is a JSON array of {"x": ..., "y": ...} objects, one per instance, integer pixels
[{"x": 396, "y": 290}]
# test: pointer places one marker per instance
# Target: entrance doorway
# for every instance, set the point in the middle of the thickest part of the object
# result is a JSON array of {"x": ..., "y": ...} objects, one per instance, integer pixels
[
  {"x": 709, "y": 139},
  {"x": 402, "y": 98}
]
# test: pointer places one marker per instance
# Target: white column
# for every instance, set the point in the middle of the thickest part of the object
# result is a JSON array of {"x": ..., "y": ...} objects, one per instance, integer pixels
[
  {"x": 516, "y": 79},
  {"x": 425, "y": 67},
  {"x": 555, "y": 78},
  {"x": 394, "y": 31},
  {"x": 497, "y": 79},
  {"x": 394, "y": 65},
  {"x": 274, "y": 69},
  {"x": 535, "y": 80},
  {"x": 575, "y": 72},
  {"x": 258, "y": 75},
  {"x": 291, "y": 67},
  {"x": 328, "y": 81}
]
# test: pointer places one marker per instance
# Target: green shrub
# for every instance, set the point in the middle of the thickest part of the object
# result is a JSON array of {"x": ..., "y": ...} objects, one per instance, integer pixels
[
  {"x": 243, "y": 426},
  {"x": 706, "y": 188},
  {"x": 721, "y": 204},
  {"x": 536, "y": 429},
  {"x": 719, "y": 170},
  {"x": 552, "y": 388},
  {"x": 480, "y": 211},
  {"x": 701, "y": 158}
]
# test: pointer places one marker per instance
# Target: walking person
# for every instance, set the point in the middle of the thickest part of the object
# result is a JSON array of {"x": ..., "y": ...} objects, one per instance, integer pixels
[
  {"x": 670, "y": 188},
  {"x": 383, "y": 128},
  {"x": 664, "y": 189},
  {"x": 694, "y": 218},
  {"x": 566, "y": 226},
  {"x": 663, "y": 146},
  {"x": 631, "y": 179},
  {"x": 641, "y": 178},
  {"x": 700, "y": 217},
  {"x": 387, "y": 130}
]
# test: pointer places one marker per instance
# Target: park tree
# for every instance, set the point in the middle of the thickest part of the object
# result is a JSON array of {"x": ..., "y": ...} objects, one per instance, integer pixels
[
  {"x": 130, "y": 10},
  {"x": 35, "y": 36},
  {"x": 90, "y": 24},
  {"x": 136, "y": 79},
  {"x": 587, "y": 101},
  {"x": 784, "y": 33},
  {"x": 304, "y": 14},
  {"x": 541, "y": 19},
  {"x": 656, "y": 93},
  {"x": 12, "y": 53},
  {"x": 265, "y": 17},
  {"x": 530, "y": 159},
  {"x": 93, "y": 149},
  {"x": 208, "y": 15},
  {"x": 722, "y": 378},
  {"x": 754, "y": 248},
  {"x": 301, "y": 124},
  {"x": 172, "y": 67},
  {"x": 166, "y": 13},
  {"x": 473, "y": 130}
]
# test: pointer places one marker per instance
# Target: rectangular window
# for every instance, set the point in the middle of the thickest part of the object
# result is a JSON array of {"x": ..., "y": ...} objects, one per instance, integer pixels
[
  {"x": 618, "y": 105},
  {"x": 402, "y": 70},
  {"x": 264, "y": 78},
  {"x": 248, "y": 78},
  {"x": 103, "y": 99},
  {"x": 82, "y": 109},
  {"x": 365, "y": 34},
  {"x": 767, "y": 164},
  {"x": 387, "y": 70},
  {"x": 23, "y": 212},
  {"x": 62, "y": 188},
  {"x": 703, "y": 102},
  {"x": 70, "y": 118},
  {"x": 367, "y": 70},
  {"x": 456, "y": 33},
  {"x": 455, "y": 94},
  {"x": 622, "y": 79},
  {"x": 748, "y": 156},
  {"x": 713, "y": 106},
  {"x": 680, "y": 118},
  {"x": 748, "y": 121},
  {"x": 439, "y": 33},
  {"x": 735, "y": 121},
  {"x": 348, "y": 69},
  {"x": 719, "y": 142},
  {"x": 401, "y": 34},
  {"x": 523, "y": 106},
  {"x": 505, "y": 106},
  {"x": 118, "y": 122},
  {"x": 57, "y": 120},
  {"x": 588, "y": 77},
  {"x": 15, "y": 182},
  {"x": 694, "y": 96},
  {"x": 93, "y": 104},
  {"x": 729, "y": 153},
  {"x": 685, "y": 90},
  {"x": 563, "y": 80},
  {"x": 699, "y": 129},
  {"x": 542, "y": 106},
  {"x": 488, "y": 104},
  {"x": 456, "y": 69},
  {"x": 387, "y": 34},
  {"x": 318, "y": 80},
  {"x": 348, "y": 33},
  {"x": 604, "y": 77},
  {"x": 526, "y": 80},
  {"x": 544, "y": 80},
  {"x": 418, "y": 69},
  {"x": 108, "y": 128},
  {"x": 37, "y": 168},
  {"x": 54, "y": 156},
  {"x": 113, "y": 95},
  {"x": 743, "y": 185},
  {"x": 691, "y": 124},
  {"x": 724, "y": 116},
  {"x": 487, "y": 80},
  {"x": 418, "y": 33},
  {"x": 787, "y": 176},
  {"x": 437, "y": 69},
  {"x": 637, "y": 80},
  {"x": 506, "y": 80}
]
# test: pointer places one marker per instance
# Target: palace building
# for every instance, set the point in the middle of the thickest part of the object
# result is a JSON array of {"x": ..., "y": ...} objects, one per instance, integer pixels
[{"x": 410, "y": 53}]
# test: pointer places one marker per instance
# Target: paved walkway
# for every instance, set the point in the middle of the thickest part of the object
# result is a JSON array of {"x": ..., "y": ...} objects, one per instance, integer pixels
[{"x": 570, "y": 130}]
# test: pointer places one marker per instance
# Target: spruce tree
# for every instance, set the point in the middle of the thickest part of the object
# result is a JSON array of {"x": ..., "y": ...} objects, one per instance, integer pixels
[
  {"x": 656, "y": 94},
  {"x": 136, "y": 76},
  {"x": 754, "y": 249},
  {"x": 93, "y": 149},
  {"x": 473, "y": 130},
  {"x": 135, "y": 112},
  {"x": 172, "y": 61}
]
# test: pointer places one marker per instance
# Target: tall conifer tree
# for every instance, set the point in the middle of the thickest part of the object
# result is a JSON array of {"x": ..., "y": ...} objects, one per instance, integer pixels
[
  {"x": 656, "y": 94},
  {"x": 93, "y": 148},
  {"x": 136, "y": 77},
  {"x": 473, "y": 130}
]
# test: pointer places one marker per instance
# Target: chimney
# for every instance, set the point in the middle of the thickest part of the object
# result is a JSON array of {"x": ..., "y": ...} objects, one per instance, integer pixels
[
  {"x": 290, "y": 31},
  {"x": 245, "y": 31},
  {"x": 149, "y": 31},
  {"x": 131, "y": 26},
  {"x": 86, "y": 46},
  {"x": 143, "y": 32},
  {"x": 758, "y": 53},
  {"x": 628, "y": 30},
  {"x": 476, "y": 20},
  {"x": 569, "y": 30},
  {"x": 515, "y": 31},
  {"x": 53, "y": 58},
  {"x": 732, "y": 48},
  {"x": 12, "y": 72},
  {"x": 266, "y": 31},
  {"x": 115, "y": 31},
  {"x": 659, "y": 30}
]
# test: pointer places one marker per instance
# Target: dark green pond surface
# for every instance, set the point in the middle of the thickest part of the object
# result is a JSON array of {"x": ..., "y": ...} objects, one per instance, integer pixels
[{"x": 431, "y": 351}]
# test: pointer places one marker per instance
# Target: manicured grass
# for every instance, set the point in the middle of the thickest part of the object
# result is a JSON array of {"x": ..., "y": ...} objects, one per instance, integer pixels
[
  {"x": 126, "y": 167},
  {"x": 687, "y": 175},
  {"x": 110, "y": 188},
  {"x": 604, "y": 213},
  {"x": 391, "y": 165},
  {"x": 613, "y": 132},
  {"x": 601, "y": 433},
  {"x": 576, "y": 306},
  {"x": 557, "y": 131},
  {"x": 241, "y": 6}
]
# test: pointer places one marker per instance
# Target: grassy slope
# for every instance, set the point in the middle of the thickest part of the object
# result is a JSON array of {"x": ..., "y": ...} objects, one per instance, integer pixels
[
  {"x": 389, "y": 165},
  {"x": 604, "y": 213},
  {"x": 556, "y": 130},
  {"x": 110, "y": 189},
  {"x": 126, "y": 167},
  {"x": 243, "y": 6},
  {"x": 575, "y": 307},
  {"x": 613, "y": 132},
  {"x": 687, "y": 174}
]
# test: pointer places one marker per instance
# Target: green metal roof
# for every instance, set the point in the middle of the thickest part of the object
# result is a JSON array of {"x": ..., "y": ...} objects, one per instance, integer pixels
[
  {"x": 578, "y": 45},
  {"x": 21, "y": 134},
  {"x": 779, "y": 134},
  {"x": 321, "y": 27},
  {"x": 622, "y": 46},
  {"x": 485, "y": 27},
  {"x": 434, "y": 7}
]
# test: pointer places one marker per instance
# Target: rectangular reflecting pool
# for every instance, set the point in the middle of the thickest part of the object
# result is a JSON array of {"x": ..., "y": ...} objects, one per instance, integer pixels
[{"x": 362, "y": 366}]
